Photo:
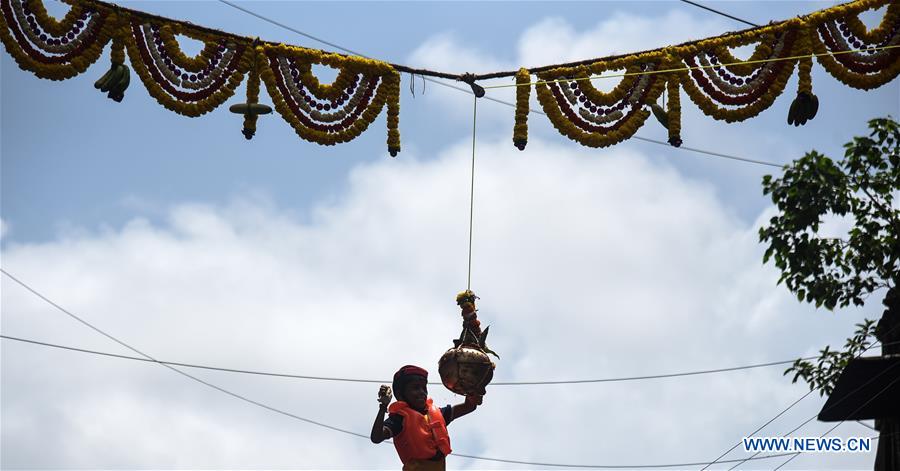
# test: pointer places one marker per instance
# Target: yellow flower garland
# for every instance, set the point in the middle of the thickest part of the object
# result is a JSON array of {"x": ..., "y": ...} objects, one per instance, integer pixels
[
  {"x": 167, "y": 34},
  {"x": 114, "y": 25},
  {"x": 56, "y": 71},
  {"x": 736, "y": 66},
  {"x": 253, "y": 90},
  {"x": 523, "y": 96},
  {"x": 52, "y": 25},
  {"x": 627, "y": 126},
  {"x": 804, "y": 69},
  {"x": 879, "y": 33},
  {"x": 674, "y": 112},
  {"x": 614, "y": 95},
  {"x": 387, "y": 92},
  {"x": 192, "y": 109}
]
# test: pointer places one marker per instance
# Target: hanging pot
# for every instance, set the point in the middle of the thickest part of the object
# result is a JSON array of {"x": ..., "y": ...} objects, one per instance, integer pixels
[{"x": 466, "y": 368}]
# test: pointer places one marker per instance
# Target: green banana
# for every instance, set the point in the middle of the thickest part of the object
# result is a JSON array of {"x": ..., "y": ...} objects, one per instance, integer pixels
[
  {"x": 815, "y": 107},
  {"x": 803, "y": 108},
  {"x": 117, "y": 91},
  {"x": 99, "y": 83},
  {"x": 113, "y": 79},
  {"x": 792, "y": 113},
  {"x": 660, "y": 115}
]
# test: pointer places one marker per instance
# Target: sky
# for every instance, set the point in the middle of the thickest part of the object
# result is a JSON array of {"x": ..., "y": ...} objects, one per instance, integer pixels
[{"x": 186, "y": 241}]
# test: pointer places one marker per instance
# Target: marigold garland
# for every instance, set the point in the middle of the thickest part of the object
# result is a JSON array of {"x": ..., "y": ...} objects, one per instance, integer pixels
[
  {"x": 51, "y": 25},
  {"x": 54, "y": 53},
  {"x": 673, "y": 115},
  {"x": 253, "y": 90},
  {"x": 579, "y": 118},
  {"x": 196, "y": 64},
  {"x": 174, "y": 92},
  {"x": 331, "y": 114},
  {"x": 59, "y": 49},
  {"x": 523, "y": 97}
]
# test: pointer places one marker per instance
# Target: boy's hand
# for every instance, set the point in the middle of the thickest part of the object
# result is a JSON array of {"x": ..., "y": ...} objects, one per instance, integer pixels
[
  {"x": 384, "y": 395},
  {"x": 474, "y": 400}
]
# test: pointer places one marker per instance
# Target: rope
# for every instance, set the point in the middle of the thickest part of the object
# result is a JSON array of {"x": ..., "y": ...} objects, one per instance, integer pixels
[{"x": 472, "y": 192}]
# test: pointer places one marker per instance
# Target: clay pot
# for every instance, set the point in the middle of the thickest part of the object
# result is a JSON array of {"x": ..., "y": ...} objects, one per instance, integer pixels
[{"x": 466, "y": 370}]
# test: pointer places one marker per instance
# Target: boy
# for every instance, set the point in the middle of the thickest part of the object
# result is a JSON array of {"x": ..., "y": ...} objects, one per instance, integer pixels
[{"x": 418, "y": 427}]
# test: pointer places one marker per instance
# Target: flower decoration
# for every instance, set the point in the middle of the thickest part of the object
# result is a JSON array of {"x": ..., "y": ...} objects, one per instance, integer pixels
[
  {"x": 52, "y": 49},
  {"x": 331, "y": 113},
  {"x": 523, "y": 96}
]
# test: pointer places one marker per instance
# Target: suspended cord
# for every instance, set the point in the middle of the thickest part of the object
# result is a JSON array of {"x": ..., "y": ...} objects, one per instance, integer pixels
[
  {"x": 512, "y": 105},
  {"x": 149, "y": 358},
  {"x": 855, "y": 411},
  {"x": 382, "y": 381},
  {"x": 330, "y": 427},
  {"x": 720, "y": 13},
  {"x": 791, "y": 406},
  {"x": 860, "y": 422},
  {"x": 854, "y": 391},
  {"x": 472, "y": 193}
]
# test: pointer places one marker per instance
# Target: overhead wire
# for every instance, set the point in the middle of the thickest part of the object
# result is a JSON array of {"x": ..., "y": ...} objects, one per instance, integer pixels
[
  {"x": 496, "y": 100},
  {"x": 854, "y": 412},
  {"x": 840, "y": 400},
  {"x": 384, "y": 381},
  {"x": 717, "y": 460},
  {"x": 330, "y": 427},
  {"x": 720, "y": 13}
]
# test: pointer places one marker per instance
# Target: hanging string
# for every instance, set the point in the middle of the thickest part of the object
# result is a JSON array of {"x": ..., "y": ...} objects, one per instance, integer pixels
[{"x": 472, "y": 192}]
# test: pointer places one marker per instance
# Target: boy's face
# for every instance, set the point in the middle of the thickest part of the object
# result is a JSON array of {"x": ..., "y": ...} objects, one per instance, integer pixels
[{"x": 415, "y": 393}]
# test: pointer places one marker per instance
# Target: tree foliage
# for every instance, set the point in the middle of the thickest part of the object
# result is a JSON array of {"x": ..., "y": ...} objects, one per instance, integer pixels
[
  {"x": 837, "y": 271},
  {"x": 823, "y": 374}
]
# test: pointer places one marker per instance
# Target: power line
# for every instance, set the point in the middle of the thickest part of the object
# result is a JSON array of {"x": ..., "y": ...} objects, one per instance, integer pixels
[
  {"x": 720, "y": 13},
  {"x": 855, "y": 411},
  {"x": 357, "y": 380},
  {"x": 795, "y": 403},
  {"x": 512, "y": 105},
  {"x": 337, "y": 429}
]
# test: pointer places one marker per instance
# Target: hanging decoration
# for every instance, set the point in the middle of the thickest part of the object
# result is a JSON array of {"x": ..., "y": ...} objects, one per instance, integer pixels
[
  {"x": 593, "y": 118},
  {"x": 466, "y": 368},
  {"x": 721, "y": 85},
  {"x": 523, "y": 95},
  {"x": 193, "y": 86},
  {"x": 337, "y": 112}
]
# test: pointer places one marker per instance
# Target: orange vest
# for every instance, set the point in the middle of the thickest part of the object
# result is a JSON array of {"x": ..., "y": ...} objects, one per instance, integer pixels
[{"x": 423, "y": 435}]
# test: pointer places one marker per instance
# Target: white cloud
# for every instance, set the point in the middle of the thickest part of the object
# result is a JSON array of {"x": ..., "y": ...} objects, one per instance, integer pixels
[
  {"x": 554, "y": 40},
  {"x": 587, "y": 267}
]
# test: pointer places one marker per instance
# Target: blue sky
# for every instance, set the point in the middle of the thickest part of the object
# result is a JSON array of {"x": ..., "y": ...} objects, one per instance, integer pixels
[{"x": 196, "y": 245}]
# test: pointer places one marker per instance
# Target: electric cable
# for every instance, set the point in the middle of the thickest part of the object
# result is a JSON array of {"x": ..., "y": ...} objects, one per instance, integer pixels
[
  {"x": 855, "y": 411},
  {"x": 838, "y": 402},
  {"x": 385, "y": 381},
  {"x": 720, "y": 13},
  {"x": 789, "y": 407},
  {"x": 337, "y": 429}
]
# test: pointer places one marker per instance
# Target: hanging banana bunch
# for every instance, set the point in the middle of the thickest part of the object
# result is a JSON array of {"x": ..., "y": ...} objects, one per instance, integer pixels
[
  {"x": 115, "y": 81},
  {"x": 806, "y": 104}
]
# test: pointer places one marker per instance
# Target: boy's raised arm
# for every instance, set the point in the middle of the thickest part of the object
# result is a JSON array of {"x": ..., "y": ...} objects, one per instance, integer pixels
[{"x": 381, "y": 433}]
